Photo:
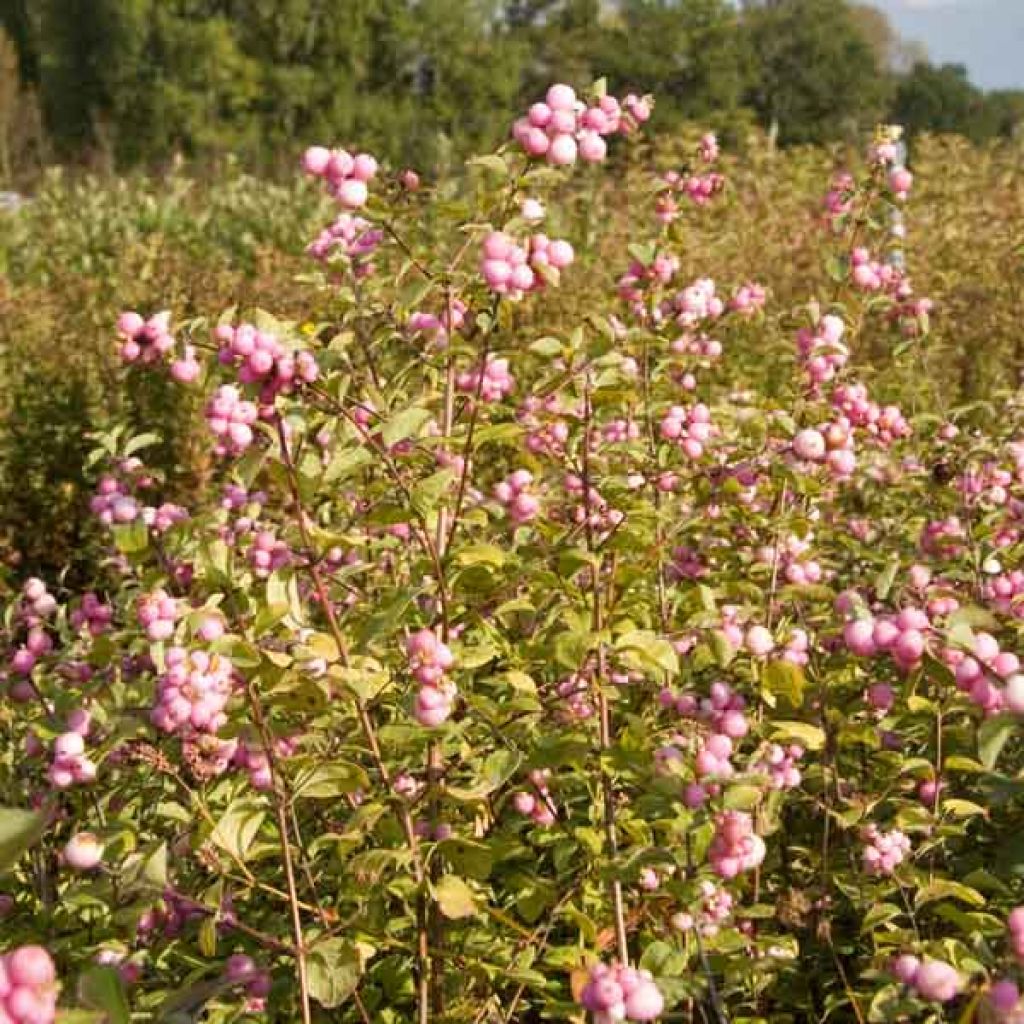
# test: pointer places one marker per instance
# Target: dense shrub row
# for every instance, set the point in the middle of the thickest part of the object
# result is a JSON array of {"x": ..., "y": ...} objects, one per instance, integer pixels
[
  {"x": 85, "y": 245},
  {"x": 582, "y": 598}
]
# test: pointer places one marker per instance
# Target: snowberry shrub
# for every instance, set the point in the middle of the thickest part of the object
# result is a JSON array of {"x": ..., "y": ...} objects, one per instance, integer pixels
[{"x": 504, "y": 674}]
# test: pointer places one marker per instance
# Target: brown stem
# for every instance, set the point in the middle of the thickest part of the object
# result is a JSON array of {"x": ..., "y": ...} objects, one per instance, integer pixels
[
  {"x": 467, "y": 451},
  {"x": 659, "y": 534},
  {"x": 431, "y": 926},
  {"x": 604, "y": 711},
  {"x": 404, "y": 246},
  {"x": 362, "y": 714},
  {"x": 286, "y": 855},
  {"x": 423, "y": 533}
]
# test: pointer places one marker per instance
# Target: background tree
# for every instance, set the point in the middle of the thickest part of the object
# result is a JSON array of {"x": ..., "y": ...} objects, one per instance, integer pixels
[
  {"x": 940, "y": 99},
  {"x": 689, "y": 52},
  {"x": 817, "y": 76},
  {"x": 135, "y": 82}
]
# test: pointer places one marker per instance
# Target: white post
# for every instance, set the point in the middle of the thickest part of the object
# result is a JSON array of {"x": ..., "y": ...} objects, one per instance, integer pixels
[{"x": 897, "y": 224}]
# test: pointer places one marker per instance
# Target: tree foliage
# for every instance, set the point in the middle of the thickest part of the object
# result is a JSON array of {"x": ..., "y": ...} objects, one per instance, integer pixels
[{"x": 134, "y": 82}]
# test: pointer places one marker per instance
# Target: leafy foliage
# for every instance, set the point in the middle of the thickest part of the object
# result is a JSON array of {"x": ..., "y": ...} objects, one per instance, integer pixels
[{"x": 496, "y": 634}]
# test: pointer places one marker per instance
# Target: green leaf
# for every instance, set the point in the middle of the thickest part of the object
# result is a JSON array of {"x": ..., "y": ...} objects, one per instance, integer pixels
[
  {"x": 321, "y": 645},
  {"x": 993, "y": 734},
  {"x": 131, "y": 538},
  {"x": 18, "y": 831},
  {"x": 962, "y": 808},
  {"x": 945, "y": 888},
  {"x": 961, "y": 636},
  {"x": 974, "y": 617},
  {"x": 346, "y": 462},
  {"x": 427, "y": 493},
  {"x": 547, "y": 346},
  {"x": 405, "y": 424},
  {"x": 810, "y": 736},
  {"x": 837, "y": 267},
  {"x": 238, "y": 827},
  {"x": 497, "y": 769},
  {"x": 469, "y": 858},
  {"x": 153, "y": 868},
  {"x": 325, "y": 781},
  {"x": 334, "y": 968},
  {"x": 662, "y": 958},
  {"x": 185, "y": 1003},
  {"x": 136, "y": 444},
  {"x": 480, "y": 554},
  {"x": 492, "y": 162},
  {"x": 652, "y": 650},
  {"x": 886, "y": 578},
  {"x": 100, "y": 989},
  {"x": 454, "y": 897},
  {"x": 742, "y": 798},
  {"x": 879, "y": 914},
  {"x": 208, "y": 937},
  {"x": 784, "y": 679},
  {"x": 643, "y": 254},
  {"x": 722, "y": 649}
]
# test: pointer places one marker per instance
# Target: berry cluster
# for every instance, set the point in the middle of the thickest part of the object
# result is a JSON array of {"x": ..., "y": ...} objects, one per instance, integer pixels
[
  {"x": 689, "y": 427},
  {"x": 883, "y": 851},
  {"x": 932, "y": 980},
  {"x": 352, "y": 237},
  {"x": 92, "y": 614},
  {"x": 537, "y": 804},
  {"x": 735, "y": 846},
  {"x": 28, "y": 986},
  {"x": 267, "y": 552},
  {"x": 822, "y": 350},
  {"x": 145, "y": 341},
  {"x": 429, "y": 660},
  {"x": 37, "y": 603},
  {"x": 230, "y": 417},
  {"x": 615, "y": 993},
  {"x": 71, "y": 765},
  {"x": 436, "y": 326},
  {"x": 157, "y": 613},
  {"x": 262, "y": 359},
  {"x": 780, "y": 764},
  {"x": 513, "y": 269},
  {"x": 562, "y": 127},
  {"x": 347, "y": 177},
  {"x": 492, "y": 381},
  {"x": 193, "y": 692},
  {"x": 521, "y": 505}
]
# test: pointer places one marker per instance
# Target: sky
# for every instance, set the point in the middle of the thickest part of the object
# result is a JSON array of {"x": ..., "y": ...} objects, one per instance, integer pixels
[{"x": 986, "y": 35}]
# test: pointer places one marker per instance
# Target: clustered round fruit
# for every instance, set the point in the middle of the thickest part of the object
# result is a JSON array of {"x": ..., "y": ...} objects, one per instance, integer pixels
[
  {"x": 735, "y": 846},
  {"x": 515, "y": 494},
  {"x": 615, "y": 993},
  {"x": 28, "y": 986},
  {"x": 932, "y": 980},
  {"x": 537, "y": 803},
  {"x": 429, "y": 661},
  {"x": 883, "y": 851},
  {"x": 193, "y": 691},
  {"x": 730, "y": 589},
  {"x": 231, "y": 418},
  {"x": 562, "y": 128},
  {"x": 514, "y": 269},
  {"x": 351, "y": 237},
  {"x": 347, "y": 177}
]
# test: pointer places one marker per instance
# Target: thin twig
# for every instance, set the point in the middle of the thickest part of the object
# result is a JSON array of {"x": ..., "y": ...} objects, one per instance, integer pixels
[
  {"x": 604, "y": 711},
  {"x": 286, "y": 857}
]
